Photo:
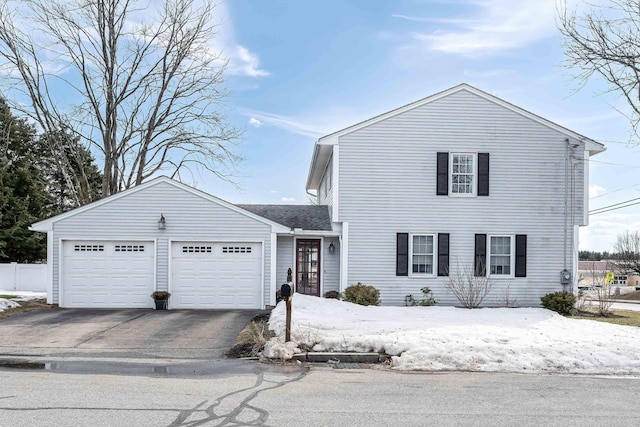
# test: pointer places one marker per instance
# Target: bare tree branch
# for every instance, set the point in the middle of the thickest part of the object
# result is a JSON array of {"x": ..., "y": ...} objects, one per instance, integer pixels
[
  {"x": 147, "y": 92},
  {"x": 605, "y": 42}
]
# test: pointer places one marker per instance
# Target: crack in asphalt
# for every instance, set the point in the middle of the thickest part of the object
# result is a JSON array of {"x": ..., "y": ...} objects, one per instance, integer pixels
[
  {"x": 108, "y": 329},
  {"x": 231, "y": 417},
  {"x": 201, "y": 413}
]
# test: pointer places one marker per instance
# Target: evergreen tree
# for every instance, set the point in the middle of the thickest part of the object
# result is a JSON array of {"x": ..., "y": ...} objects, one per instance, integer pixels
[{"x": 22, "y": 191}]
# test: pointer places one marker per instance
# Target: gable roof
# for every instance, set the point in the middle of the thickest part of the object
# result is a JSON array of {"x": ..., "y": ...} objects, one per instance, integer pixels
[
  {"x": 324, "y": 146},
  {"x": 47, "y": 224},
  {"x": 306, "y": 217}
]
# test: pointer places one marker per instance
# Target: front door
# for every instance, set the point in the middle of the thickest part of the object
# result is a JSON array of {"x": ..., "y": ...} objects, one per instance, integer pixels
[{"x": 308, "y": 266}]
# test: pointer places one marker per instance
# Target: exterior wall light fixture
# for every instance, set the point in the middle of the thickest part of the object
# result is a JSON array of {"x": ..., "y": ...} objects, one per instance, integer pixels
[
  {"x": 332, "y": 248},
  {"x": 162, "y": 222}
]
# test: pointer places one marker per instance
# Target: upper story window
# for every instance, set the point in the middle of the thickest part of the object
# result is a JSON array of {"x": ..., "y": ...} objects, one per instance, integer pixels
[
  {"x": 463, "y": 173},
  {"x": 422, "y": 254},
  {"x": 501, "y": 256}
]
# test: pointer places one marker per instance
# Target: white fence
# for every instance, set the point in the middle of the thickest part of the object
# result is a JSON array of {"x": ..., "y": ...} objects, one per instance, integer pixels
[{"x": 23, "y": 277}]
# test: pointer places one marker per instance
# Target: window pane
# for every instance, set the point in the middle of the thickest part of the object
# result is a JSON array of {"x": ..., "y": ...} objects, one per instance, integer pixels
[
  {"x": 500, "y": 255},
  {"x": 462, "y": 174},
  {"x": 422, "y": 259}
]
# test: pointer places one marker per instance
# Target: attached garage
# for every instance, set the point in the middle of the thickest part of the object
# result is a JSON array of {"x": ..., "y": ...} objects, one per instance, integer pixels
[
  {"x": 107, "y": 274},
  {"x": 166, "y": 236},
  {"x": 209, "y": 275}
]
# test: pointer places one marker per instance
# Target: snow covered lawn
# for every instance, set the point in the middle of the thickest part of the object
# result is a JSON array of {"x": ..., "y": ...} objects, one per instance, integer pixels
[
  {"x": 448, "y": 338},
  {"x": 20, "y": 296}
]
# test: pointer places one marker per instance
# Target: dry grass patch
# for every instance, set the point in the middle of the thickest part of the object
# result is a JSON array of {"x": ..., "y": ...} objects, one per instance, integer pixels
[
  {"x": 618, "y": 317},
  {"x": 25, "y": 306},
  {"x": 252, "y": 338}
]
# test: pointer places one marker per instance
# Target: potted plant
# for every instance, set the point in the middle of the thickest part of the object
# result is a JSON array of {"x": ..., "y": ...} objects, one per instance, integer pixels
[{"x": 161, "y": 298}]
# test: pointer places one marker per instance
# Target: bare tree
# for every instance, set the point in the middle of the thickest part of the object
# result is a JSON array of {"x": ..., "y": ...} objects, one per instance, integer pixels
[
  {"x": 627, "y": 249},
  {"x": 147, "y": 83},
  {"x": 470, "y": 289},
  {"x": 605, "y": 41}
]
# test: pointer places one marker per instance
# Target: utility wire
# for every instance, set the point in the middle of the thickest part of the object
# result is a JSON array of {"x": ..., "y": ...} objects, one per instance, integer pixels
[{"x": 615, "y": 206}]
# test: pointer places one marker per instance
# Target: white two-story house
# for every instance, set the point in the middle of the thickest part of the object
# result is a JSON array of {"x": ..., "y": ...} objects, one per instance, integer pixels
[{"x": 460, "y": 180}]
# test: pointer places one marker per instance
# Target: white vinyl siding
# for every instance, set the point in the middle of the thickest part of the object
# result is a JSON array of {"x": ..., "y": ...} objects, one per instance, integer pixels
[
  {"x": 189, "y": 217},
  {"x": 331, "y": 265},
  {"x": 325, "y": 193},
  {"x": 387, "y": 184}
]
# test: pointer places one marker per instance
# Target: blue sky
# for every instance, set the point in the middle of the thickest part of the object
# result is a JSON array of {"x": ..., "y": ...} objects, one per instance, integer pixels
[{"x": 299, "y": 70}]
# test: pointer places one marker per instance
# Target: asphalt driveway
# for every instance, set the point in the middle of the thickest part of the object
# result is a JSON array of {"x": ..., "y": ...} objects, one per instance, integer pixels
[{"x": 134, "y": 333}]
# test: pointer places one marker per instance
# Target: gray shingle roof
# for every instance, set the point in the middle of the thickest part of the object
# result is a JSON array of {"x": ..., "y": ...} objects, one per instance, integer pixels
[{"x": 307, "y": 217}]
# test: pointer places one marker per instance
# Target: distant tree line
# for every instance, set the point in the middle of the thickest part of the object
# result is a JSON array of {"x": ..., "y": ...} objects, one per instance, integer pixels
[
  {"x": 595, "y": 256},
  {"x": 626, "y": 258}
]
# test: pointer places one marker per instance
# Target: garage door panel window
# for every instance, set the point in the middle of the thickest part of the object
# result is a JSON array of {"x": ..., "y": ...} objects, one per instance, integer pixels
[
  {"x": 129, "y": 248},
  {"x": 88, "y": 248},
  {"x": 196, "y": 249},
  {"x": 236, "y": 249}
]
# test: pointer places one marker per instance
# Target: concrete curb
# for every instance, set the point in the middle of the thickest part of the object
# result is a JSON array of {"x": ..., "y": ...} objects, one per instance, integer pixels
[{"x": 337, "y": 357}]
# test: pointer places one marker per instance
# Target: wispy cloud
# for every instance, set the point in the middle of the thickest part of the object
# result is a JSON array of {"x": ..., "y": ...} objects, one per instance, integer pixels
[
  {"x": 242, "y": 62},
  {"x": 493, "y": 27},
  {"x": 287, "y": 199},
  {"x": 255, "y": 122},
  {"x": 291, "y": 124},
  {"x": 596, "y": 190},
  {"x": 485, "y": 74}
]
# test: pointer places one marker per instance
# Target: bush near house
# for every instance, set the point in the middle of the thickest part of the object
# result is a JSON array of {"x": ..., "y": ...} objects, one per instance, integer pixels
[
  {"x": 428, "y": 299},
  {"x": 560, "y": 302},
  {"x": 362, "y": 294},
  {"x": 332, "y": 294}
]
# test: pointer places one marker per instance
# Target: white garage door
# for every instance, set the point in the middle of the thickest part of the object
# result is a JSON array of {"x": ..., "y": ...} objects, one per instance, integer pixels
[
  {"x": 216, "y": 275},
  {"x": 101, "y": 274}
]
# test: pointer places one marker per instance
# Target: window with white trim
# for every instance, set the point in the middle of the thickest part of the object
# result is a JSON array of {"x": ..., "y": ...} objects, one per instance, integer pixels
[
  {"x": 501, "y": 255},
  {"x": 463, "y": 173},
  {"x": 422, "y": 254},
  {"x": 620, "y": 280}
]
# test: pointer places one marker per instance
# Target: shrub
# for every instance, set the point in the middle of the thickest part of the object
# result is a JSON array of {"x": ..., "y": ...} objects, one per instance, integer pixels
[
  {"x": 469, "y": 289},
  {"x": 362, "y": 294},
  {"x": 160, "y": 295},
  {"x": 428, "y": 299},
  {"x": 560, "y": 302},
  {"x": 332, "y": 294}
]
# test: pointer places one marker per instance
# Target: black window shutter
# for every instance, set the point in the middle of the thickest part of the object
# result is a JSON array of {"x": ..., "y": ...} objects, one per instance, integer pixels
[
  {"x": 483, "y": 174},
  {"x": 443, "y": 254},
  {"x": 402, "y": 254},
  {"x": 521, "y": 255},
  {"x": 480, "y": 262},
  {"x": 442, "y": 187}
]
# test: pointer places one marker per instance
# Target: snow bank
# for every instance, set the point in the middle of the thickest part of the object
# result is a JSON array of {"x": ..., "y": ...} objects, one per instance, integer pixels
[
  {"x": 7, "y": 303},
  {"x": 448, "y": 338}
]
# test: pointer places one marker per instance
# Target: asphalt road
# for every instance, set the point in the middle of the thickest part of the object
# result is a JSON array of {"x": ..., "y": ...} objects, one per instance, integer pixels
[{"x": 249, "y": 393}]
